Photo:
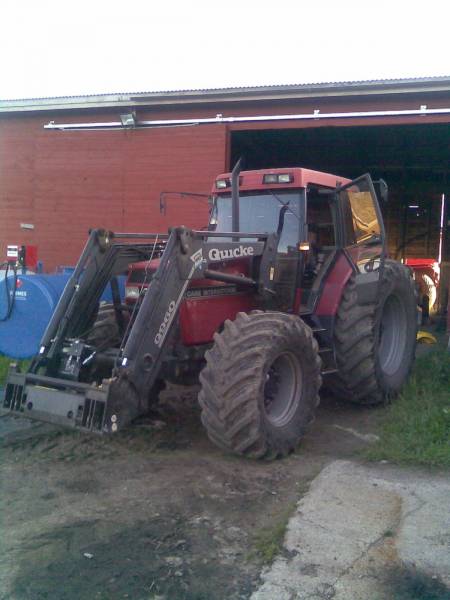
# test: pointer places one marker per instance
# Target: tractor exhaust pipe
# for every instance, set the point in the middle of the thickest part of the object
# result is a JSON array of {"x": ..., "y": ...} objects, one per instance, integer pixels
[{"x": 235, "y": 196}]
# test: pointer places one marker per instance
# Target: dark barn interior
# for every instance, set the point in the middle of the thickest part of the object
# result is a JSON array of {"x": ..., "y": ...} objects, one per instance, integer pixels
[{"x": 413, "y": 159}]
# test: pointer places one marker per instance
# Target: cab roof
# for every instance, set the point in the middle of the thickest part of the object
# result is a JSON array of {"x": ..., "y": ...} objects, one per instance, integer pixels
[{"x": 300, "y": 178}]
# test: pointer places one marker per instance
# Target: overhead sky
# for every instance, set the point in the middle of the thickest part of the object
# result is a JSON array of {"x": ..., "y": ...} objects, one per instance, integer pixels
[{"x": 66, "y": 47}]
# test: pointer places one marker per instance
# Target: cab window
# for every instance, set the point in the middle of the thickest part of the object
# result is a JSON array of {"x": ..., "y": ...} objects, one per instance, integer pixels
[{"x": 360, "y": 214}]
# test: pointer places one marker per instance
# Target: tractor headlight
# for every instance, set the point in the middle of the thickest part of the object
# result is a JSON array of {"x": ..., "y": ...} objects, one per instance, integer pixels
[
  {"x": 131, "y": 293},
  {"x": 222, "y": 184}
]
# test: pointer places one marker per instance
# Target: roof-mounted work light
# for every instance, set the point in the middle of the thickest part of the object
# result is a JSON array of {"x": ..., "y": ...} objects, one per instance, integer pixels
[
  {"x": 278, "y": 178},
  {"x": 128, "y": 119}
]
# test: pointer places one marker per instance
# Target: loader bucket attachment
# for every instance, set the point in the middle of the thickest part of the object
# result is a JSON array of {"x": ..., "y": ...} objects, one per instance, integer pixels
[{"x": 104, "y": 409}]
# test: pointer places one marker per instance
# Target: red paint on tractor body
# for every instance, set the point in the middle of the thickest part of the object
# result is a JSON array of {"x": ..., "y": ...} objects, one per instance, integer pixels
[
  {"x": 209, "y": 303},
  {"x": 335, "y": 283},
  {"x": 202, "y": 317},
  {"x": 297, "y": 300}
]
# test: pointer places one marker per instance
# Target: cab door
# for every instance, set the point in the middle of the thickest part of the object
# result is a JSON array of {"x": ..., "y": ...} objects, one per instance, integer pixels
[
  {"x": 362, "y": 234},
  {"x": 287, "y": 270}
]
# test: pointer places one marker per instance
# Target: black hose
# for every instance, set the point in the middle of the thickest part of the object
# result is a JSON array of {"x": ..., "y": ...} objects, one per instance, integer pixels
[{"x": 10, "y": 298}]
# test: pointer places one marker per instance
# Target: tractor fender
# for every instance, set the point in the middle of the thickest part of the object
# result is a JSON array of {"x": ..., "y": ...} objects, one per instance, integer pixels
[{"x": 367, "y": 287}]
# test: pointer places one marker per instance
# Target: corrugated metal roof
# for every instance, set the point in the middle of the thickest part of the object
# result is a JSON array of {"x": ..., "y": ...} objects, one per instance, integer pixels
[{"x": 129, "y": 99}]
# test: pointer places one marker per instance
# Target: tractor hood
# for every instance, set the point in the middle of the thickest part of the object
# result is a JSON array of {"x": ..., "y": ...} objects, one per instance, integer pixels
[{"x": 140, "y": 274}]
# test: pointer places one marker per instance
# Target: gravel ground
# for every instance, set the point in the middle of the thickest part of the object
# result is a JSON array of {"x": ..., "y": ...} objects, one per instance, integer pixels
[{"x": 155, "y": 512}]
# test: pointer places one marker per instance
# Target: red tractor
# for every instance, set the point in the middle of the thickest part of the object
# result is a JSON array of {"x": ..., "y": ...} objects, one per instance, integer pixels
[{"x": 288, "y": 286}]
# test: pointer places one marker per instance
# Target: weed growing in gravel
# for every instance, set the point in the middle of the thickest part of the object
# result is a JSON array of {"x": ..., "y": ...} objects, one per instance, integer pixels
[
  {"x": 4, "y": 366},
  {"x": 268, "y": 541},
  {"x": 416, "y": 428}
]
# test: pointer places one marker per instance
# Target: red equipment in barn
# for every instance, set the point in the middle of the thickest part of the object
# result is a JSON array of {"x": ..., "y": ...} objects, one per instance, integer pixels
[{"x": 426, "y": 274}]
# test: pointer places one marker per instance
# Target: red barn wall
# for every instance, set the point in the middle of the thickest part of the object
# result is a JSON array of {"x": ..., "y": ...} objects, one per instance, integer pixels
[{"x": 65, "y": 183}]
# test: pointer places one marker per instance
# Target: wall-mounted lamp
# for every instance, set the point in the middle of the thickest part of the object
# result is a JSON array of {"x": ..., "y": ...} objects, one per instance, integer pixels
[{"x": 128, "y": 119}]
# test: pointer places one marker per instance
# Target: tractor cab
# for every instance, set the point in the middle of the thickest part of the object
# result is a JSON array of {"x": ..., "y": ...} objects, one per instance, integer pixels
[
  {"x": 315, "y": 216},
  {"x": 315, "y": 213}
]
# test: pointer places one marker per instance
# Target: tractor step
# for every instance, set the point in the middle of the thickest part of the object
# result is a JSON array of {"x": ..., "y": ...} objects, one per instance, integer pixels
[
  {"x": 326, "y": 372},
  {"x": 306, "y": 315},
  {"x": 324, "y": 350}
]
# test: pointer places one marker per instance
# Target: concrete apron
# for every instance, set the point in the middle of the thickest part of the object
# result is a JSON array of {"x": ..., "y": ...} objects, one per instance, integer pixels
[{"x": 356, "y": 526}]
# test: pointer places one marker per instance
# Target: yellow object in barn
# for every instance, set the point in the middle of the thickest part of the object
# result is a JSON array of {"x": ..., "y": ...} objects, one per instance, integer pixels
[{"x": 423, "y": 337}]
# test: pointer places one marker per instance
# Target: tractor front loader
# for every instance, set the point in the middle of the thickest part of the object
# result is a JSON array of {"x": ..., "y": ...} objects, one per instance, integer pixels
[{"x": 259, "y": 317}]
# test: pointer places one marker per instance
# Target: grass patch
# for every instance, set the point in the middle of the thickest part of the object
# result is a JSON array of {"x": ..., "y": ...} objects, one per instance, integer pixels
[
  {"x": 268, "y": 541},
  {"x": 416, "y": 427},
  {"x": 4, "y": 366}
]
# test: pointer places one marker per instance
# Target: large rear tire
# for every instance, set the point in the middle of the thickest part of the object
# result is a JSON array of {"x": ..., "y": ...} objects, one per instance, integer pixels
[
  {"x": 375, "y": 345},
  {"x": 260, "y": 384}
]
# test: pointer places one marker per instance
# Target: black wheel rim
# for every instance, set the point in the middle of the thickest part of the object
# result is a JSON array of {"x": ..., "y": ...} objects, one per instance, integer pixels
[
  {"x": 392, "y": 335},
  {"x": 282, "y": 390}
]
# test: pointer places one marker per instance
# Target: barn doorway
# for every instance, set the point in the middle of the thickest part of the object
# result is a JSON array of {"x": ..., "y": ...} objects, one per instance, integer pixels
[{"x": 413, "y": 159}]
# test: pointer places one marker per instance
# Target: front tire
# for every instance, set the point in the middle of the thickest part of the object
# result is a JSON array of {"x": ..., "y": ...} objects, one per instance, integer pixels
[
  {"x": 105, "y": 328},
  {"x": 260, "y": 384},
  {"x": 375, "y": 344}
]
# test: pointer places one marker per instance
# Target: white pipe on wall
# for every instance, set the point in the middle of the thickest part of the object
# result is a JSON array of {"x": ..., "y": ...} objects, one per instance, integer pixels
[{"x": 316, "y": 115}]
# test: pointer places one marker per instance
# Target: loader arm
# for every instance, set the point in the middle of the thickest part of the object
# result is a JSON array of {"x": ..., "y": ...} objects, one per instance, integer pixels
[
  {"x": 54, "y": 389},
  {"x": 188, "y": 254}
]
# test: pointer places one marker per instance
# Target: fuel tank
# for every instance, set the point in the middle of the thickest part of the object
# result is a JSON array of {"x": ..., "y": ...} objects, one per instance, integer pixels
[{"x": 35, "y": 299}]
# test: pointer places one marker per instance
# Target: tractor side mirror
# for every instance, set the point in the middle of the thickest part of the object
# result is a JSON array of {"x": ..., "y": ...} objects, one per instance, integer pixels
[{"x": 382, "y": 190}]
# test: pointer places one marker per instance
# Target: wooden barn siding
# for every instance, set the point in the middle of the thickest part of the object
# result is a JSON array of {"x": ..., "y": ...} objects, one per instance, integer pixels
[{"x": 68, "y": 182}]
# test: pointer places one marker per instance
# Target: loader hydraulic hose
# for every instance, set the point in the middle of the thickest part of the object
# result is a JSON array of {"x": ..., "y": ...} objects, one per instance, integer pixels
[{"x": 229, "y": 278}]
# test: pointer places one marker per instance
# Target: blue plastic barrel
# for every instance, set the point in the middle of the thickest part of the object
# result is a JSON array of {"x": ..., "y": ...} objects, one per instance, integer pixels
[{"x": 36, "y": 297}]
